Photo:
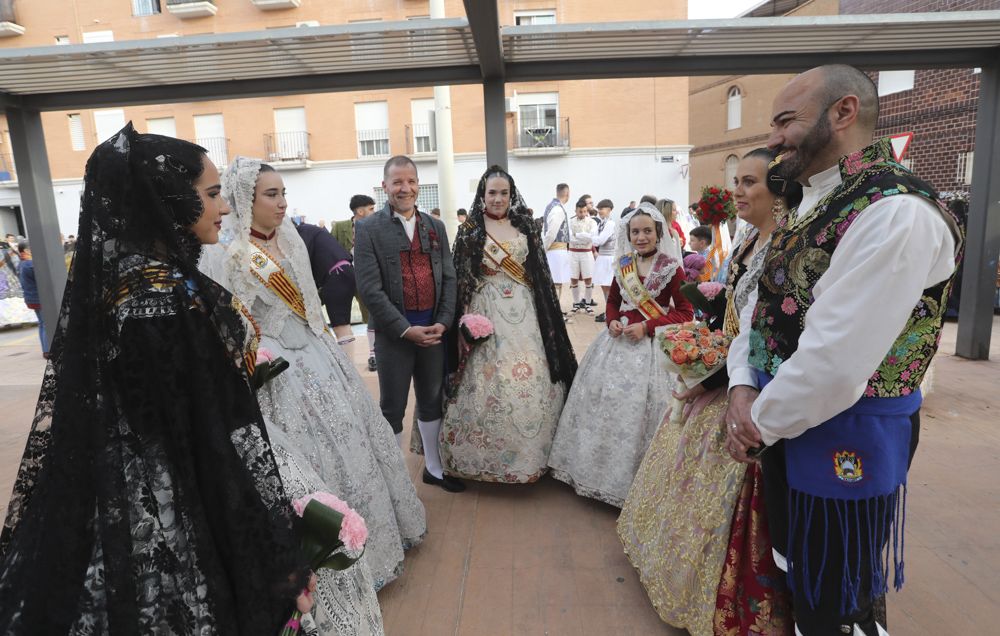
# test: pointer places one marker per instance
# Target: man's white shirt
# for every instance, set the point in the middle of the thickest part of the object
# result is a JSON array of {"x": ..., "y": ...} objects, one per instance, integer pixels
[
  {"x": 555, "y": 220},
  {"x": 884, "y": 261}
]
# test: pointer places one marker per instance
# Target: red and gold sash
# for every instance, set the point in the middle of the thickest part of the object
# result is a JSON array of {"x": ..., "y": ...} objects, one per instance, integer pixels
[
  {"x": 267, "y": 271},
  {"x": 495, "y": 251},
  {"x": 635, "y": 291}
]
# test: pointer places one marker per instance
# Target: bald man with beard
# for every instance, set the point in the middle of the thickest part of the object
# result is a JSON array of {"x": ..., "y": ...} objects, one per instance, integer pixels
[{"x": 825, "y": 374}]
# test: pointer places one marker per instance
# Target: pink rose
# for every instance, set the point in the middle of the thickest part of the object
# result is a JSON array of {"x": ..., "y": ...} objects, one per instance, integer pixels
[
  {"x": 904, "y": 376},
  {"x": 710, "y": 290},
  {"x": 353, "y": 531},
  {"x": 789, "y": 306},
  {"x": 264, "y": 355},
  {"x": 477, "y": 325}
]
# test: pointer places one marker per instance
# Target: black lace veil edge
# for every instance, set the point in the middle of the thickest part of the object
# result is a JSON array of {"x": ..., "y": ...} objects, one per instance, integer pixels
[
  {"x": 138, "y": 201},
  {"x": 468, "y": 256}
]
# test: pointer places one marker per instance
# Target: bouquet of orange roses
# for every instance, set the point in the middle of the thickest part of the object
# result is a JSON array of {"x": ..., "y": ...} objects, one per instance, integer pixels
[{"x": 694, "y": 352}]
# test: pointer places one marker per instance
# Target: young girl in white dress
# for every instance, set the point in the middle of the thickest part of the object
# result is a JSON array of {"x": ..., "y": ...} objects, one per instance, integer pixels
[{"x": 622, "y": 388}]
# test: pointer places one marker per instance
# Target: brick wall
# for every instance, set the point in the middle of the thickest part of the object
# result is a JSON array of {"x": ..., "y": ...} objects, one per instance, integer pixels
[{"x": 940, "y": 109}]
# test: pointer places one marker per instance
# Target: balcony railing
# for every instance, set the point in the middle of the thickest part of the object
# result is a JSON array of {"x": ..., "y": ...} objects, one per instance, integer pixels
[
  {"x": 419, "y": 139},
  {"x": 373, "y": 142},
  {"x": 142, "y": 8},
  {"x": 269, "y": 5},
  {"x": 545, "y": 137},
  {"x": 218, "y": 150},
  {"x": 191, "y": 8},
  {"x": 287, "y": 146},
  {"x": 7, "y": 172},
  {"x": 8, "y": 20}
]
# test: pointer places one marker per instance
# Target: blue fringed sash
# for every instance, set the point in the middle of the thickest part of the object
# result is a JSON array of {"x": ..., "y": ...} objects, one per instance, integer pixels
[{"x": 860, "y": 456}]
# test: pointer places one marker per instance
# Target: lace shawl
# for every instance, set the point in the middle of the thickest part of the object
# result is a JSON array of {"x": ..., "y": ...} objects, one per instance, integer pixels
[
  {"x": 468, "y": 258},
  {"x": 145, "y": 363}
]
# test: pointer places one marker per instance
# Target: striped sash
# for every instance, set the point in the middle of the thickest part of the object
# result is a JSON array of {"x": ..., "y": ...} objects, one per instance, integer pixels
[
  {"x": 267, "y": 270},
  {"x": 628, "y": 279},
  {"x": 503, "y": 260}
]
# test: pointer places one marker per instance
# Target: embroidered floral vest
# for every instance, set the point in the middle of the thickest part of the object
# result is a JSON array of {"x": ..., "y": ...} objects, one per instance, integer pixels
[{"x": 800, "y": 253}]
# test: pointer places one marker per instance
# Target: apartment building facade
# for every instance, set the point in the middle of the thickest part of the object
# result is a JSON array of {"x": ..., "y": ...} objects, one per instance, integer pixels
[
  {"x": 609, "y": 138},
  {"x": 938, "y": 106}
]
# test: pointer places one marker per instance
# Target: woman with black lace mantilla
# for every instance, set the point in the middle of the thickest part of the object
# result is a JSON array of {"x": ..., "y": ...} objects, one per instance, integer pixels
[{"x": 148, "y": 499}]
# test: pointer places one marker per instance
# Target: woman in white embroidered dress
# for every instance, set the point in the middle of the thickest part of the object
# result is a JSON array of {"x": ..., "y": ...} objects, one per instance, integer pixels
[
  {"x": 320, "y": 402},
  {"x": 622, "y": 389},
  {"x": 507, "y": 392}
]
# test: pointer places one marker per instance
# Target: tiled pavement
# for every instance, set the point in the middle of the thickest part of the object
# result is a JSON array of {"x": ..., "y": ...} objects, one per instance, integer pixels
[{"x": 538, "y": 560}]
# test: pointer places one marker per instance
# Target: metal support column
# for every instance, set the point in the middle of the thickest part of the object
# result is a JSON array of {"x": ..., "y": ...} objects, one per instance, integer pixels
[
  {"x": 484, "y": 20},
  {"x": 496, "y": 122},
  {"x": 38, "y": 204},
  {"x": 975, "y": 317}
]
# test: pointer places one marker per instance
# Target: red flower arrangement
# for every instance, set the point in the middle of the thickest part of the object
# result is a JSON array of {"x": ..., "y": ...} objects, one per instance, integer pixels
[{"x": 715, "y": 206}]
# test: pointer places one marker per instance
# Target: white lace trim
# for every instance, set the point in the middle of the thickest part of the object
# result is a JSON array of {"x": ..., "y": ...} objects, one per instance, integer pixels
[{"x": 228, "y": 263}]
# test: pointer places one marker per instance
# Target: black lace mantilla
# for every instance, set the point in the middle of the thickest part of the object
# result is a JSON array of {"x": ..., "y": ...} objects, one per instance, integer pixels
[
  {"x": 147, "y": 499},
  {"x": 468, "y": 258}
]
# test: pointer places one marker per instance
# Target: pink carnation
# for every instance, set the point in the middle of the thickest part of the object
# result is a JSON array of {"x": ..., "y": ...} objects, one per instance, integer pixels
[
  {"x": 264, "y": 355},
  {"x": 479, "y": 326},
  {"x": 353, "y": 531},
  {"x": 710, "y": 290}
]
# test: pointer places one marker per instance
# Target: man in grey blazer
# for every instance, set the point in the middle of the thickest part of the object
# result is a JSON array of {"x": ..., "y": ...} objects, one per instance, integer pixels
[{"x": 406, "y": 278}]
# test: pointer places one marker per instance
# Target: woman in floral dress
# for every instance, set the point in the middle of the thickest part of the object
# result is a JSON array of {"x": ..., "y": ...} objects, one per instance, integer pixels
[
  {"x": 693, "y": 524},
  {"x": 507, "y": 392}
]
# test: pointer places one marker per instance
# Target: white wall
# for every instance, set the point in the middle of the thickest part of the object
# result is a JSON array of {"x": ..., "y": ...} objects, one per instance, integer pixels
[{"x": 323, "y": 190}]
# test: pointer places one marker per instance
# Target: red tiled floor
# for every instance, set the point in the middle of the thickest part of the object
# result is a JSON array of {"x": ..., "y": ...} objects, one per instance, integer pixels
[{"x": 538, "y": 560}]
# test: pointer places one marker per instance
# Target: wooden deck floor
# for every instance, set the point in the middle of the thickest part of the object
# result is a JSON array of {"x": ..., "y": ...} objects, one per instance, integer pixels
[{"x": 538, "y": 560}]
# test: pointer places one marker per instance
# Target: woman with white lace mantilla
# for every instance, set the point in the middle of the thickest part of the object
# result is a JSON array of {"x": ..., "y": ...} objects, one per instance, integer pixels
[
  {"x": 623, "y": 389},
  {"x": 320, "y": 402}
]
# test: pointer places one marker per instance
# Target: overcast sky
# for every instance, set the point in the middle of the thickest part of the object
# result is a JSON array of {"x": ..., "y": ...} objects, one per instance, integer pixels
[{"x": 699, "y": 9}]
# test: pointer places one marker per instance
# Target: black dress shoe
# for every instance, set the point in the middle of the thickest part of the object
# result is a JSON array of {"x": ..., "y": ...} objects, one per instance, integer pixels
[
  {"x": 600, "y": 317},
  {"x": 447, "y": 483},
  {"x": 371, "y": 364},
  {"x": 593, "y": 303}
]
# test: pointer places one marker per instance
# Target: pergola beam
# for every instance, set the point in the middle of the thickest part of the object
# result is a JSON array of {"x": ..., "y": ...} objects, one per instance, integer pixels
[
  {"x": 683, "y": 66},
  {"x": 484, "y": 21},
  {"x": 476, "y": 50},
  {"x": 257, "y": 87}
]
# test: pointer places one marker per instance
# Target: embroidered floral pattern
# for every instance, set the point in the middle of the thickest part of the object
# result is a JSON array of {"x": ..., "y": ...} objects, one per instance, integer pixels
[{"x": 801, "y": 254}]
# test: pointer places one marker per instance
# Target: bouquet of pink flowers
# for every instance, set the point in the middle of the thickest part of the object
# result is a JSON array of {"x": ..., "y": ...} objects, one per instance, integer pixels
[
  {"x": 708, "y": 298},
  {"x": 329, "y": 528},
  {"x": 267, "y": 368},
  {"x": 475, "y": 327}
]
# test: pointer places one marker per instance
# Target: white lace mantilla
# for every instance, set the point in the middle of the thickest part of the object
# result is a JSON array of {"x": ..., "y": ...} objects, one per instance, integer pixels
[{"x": 228, "y": 263}]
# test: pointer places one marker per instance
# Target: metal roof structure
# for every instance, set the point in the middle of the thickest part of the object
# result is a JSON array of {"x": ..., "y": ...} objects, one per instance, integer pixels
[
  {"x": 476, "y": 50},
  {"x": 444, "y": 51}
]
